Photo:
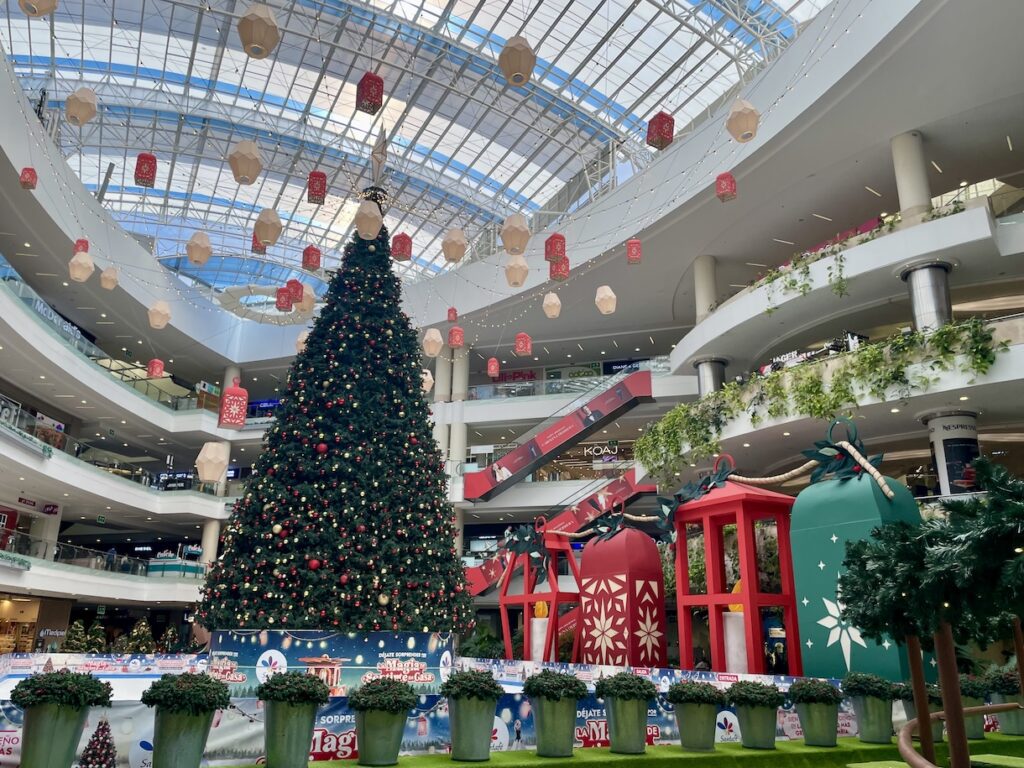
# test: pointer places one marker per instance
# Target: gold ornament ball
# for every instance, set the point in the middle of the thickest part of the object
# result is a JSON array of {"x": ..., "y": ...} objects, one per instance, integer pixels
[
  {"x": 383, "y": 599},
  {"x": 276, "y": 528}
]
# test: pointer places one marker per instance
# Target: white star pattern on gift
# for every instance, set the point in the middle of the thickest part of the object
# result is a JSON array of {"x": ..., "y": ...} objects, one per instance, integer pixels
[
  {"x": 839, "y": 631},
  {"x": 603, "y": 605},
  {"x": 606, "y": 633},
  {"x": 648, "y": 634}
]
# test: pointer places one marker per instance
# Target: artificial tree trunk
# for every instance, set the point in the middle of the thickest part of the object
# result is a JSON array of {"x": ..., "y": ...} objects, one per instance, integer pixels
[
  {"x": 1018, "y": 650},
  {"x": 949, "y": 681},
  {"x": 916, "y": 664}
]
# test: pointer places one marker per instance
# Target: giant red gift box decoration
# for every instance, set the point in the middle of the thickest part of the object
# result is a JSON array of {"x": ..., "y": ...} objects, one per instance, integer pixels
[
  {"x": 311, "y": 258},
  {"x": 401, "y": 247},
  {"x": 725, "y": 187},
  {"x": 145, "y": 169},
  {"x": 155, "y": 368},
  {"x": 370, "y": 93},
  {"x": 234, "y": 402},
  {"x": 316, "y": 187},
  {"x": 523, "y": 345},
  {"x": 622, "y": 602},
  {"x": 661, "y": 130},
  {"x": 28, "y": 178},
  {"x": 284, "y": 300},
  {"x": 456, "y": 337},
  {"x": 554, "y": 248},
  {"x": 559, "y": 270}
]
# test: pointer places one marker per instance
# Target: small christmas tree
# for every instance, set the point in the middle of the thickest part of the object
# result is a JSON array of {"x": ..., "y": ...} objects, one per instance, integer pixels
[
  {"x": 121, "y": 644},
  {"x": 99, "y": 752},
  {"x": 169, "y": 641},
  {"x": 74, "y": 640},
  {"x": 140, "y": 639},
  {"x": 48, "y": 666},
  {"x": 96, "y": 639}
]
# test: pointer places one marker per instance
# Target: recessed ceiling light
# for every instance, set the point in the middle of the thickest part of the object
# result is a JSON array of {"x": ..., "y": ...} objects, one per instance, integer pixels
[
  {"x": 936, "y": 166},
  {"x": 171, "y": 360},
  {"x": 84, "y": 403},
  {"x": 637, "y": 349},
  {"x": 29, "y": 245},
  {"x": 140, "y": 341},
  {"x": 22, "y": 479},
  {"x": 64, "y": 283},
  {"x": 67, "y": 494},
  {"x": 883, "y": 214},
  {"x": 103, "y": 314},
  {"x": 536, "y": 359},
  {"x": 603, "y": 352},
  {"x": 819, "y": 216},
  {"x": 746, "y": 445},
  {"x": 109, "y": 507},
  {"x": 894, "y": 410},
  {"x": 568, "y": 354},
  {"x": 41, "y": 376},
  {"x": 783, "y": 242},
  {"x": 785, "y": 434},
  {"x": 964, "y": 397},
  {"x": 504, "y": 362},
  {"x": 242, "y": 450},
  {"x": 963, "y": 182},
  {"x": 874, "y": 192},
  {"x": 123, "y": 421}
]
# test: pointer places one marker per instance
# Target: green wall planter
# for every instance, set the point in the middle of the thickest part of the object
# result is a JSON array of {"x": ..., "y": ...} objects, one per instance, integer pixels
[
  {"x": 50, "y": 735},
  {"x": 627, "y": 725},
  {"x": 288, "y": 733},
  {"x": 1010, "y": 723},
  {"x": 874, "y": 719},
  {"x": 379, "y": 736},
  {"x": 975, "y": 725},
  {"x": 180, "y": 739},
  {"x": 555, "y": 722},
  {"x": 911, "y": 710},
  {"x": 696, "y": 723},
  {"x": 820, "y": 723},
  {"x": 472, "y": 721},
  {"x": 757, "y": 726}
]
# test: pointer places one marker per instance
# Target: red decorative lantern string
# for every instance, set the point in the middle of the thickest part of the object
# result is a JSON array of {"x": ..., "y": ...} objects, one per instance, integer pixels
[
  {"x": 401, "y": 247},
  {"x": 370, "y": 93},
  {"x": 316, "y": 187},
  {"x": 554, "y": 248},
  {"x": 559, "y": 270},
  {"x": 523, "y": 346},
  {"x": 145, "y": 169},
  {"x": 725, "y": 187},
  {"x": 28, "y": 178},
  {"x": 634, "y": 251},
  {"x": 284, "y": 299},
  {"x": 456, "y": 337},
  {"x": 311, "y": 258},
  {"x": 661, "y": 130}
]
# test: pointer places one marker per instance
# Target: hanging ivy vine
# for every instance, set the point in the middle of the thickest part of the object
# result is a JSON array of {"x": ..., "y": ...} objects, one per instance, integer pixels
[{"x": 892, "y": 369}]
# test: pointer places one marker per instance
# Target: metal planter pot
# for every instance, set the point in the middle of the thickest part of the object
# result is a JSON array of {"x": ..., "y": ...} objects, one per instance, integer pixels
[
  {"x": 696, "y": 723},
  {"x": 472, "y": 721},
  {"x": 288, "y": 734},
  {"x": 757, "y": 727},
  {"x": 911, "y": 711},
  {"x": 1010, "y": 723},
  {"x": 50, "y": 735},
  {"x": 379, "y": 736},
  {"x": 874, "y": 719},
  {"x": 974, "y": 724},
  {"x": 555, "y": 722},
  {"x": 820, "y": 724},
  {"x": 179, "y": 740},
  {"x": 627, "y": 725}
]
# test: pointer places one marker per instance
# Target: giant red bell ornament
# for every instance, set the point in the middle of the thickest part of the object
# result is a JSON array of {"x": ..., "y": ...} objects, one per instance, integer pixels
[
  {"x": 661, "y": 130},
  {"x": 456, "y": 337},
  {"x": 634, "y": 251},
  {"x": 284, "y": 300},
  {"x": 523, "y": 345},
  {"x": 155, "y": 368},
  {"x": 493, "y": 369},
  {"x": 316, "y": 187},
  {"x": 145, "y": 169},
  {"x": 725, "y": 187},
  {"x": 294, "y": 290},
  {"x": 28, "y": 178},
  {"x": 257, "y": 246},
  {"x": 370, "y": 93},
  {"x": 554, "y": 247},
  {"x": 453, "y": 315},
  {"x": 311, "y": 258},
  {"x": 559, "y": 270},
  {"x": 234, "y": 403},
  {"x": 401, "y": 247}
]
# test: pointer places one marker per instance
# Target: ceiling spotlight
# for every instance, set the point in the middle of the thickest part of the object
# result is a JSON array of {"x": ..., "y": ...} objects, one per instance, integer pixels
[
  {"x": 963, "y": 182},
  {"x": 894, "y": 410},
  {"x": 963, "y": 398},
  {"x": 785, "y": 434}
]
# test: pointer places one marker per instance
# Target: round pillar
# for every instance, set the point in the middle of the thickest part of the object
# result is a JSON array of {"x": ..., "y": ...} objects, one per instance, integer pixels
[
  {"x": 460, "y": 374},
  {"x": 710, "y": 376},
  {"x": 911, "y": 169},
  {"x": 443, "y": 375},
  {"x": 954, "y": 442},
  {"x": 231, "y": 373},
  {"x": 928, "y": 286},
  {"x": 211, "y": 538},
  {"x": 705, "y": 292}
]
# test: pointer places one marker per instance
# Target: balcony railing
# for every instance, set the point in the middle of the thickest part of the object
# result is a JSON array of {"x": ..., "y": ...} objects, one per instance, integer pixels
[{"x": 659, "y": 366}]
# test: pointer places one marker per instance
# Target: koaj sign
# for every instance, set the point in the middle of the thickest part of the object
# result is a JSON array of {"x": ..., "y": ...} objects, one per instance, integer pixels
[{"x": 600, "y": 450}]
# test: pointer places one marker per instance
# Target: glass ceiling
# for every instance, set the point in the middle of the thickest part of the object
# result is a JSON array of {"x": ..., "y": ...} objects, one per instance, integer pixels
[{"x": 466, "y": 149}]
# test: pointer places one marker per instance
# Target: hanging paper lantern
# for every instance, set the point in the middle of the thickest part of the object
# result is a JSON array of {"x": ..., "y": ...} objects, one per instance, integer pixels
[
  {"x": 300, "y": 342},
  {"x": 742, "y": 121},
  {"x": 456, "y": 337},
  {"x": 401, "y": 247},
  {"x": 108, "y": 278},
  {"x": 295, "y": 290},
  {"x": 453, "y": 315},
  {"x": 515, "y": 234},
  {"x": 199, "y": 249},
  {"x": 80, "y": 107},
  {"x": 634, "y": 251},
  {"x": 725, "y": 187},
  {"x": 155, "y": 368},
  {"x": 37, "y": 8},
  {"x": 370, "y": 94},
  {"x": 454, "y": 246},
  {"x": 258, "y": 31},
  {"x": 523, "y": 346},
  {"x": 428, "y": 380},
  {"x": 661, "y": 130},
  {"x": 268, "y": 227},
  {"x": 559, "y": 270},
  {"x": 234, "y": 403},
  {"x": 307, "y": 303},
  {"x": 316, "y": 187},
  {"x": 516, "y": 271},
  {"x": 432, "y": 342},
  {"x": 246, "y": 162},
  {"x": 28, "y": 178},
  {"x": 554, "y": 247},
  {"x": 159, "y": 315},
  {"x": 552, "y": 305},
  {"x": 605, "y": 300},
  {"x": 368, "y": 220},
  {"x": 284, "y": 300},
  {"x": 311, "y": 258},
  {"x": 517, "y": 61},
  {"x": 81, "y": 246},
  {"x": 80, "y": 268},
  {"x": 212, "y": 462},
  {"x": 493, "y": 369},
  {"x": 257, "y": 246},
  {"x": 145, "y": 169}
]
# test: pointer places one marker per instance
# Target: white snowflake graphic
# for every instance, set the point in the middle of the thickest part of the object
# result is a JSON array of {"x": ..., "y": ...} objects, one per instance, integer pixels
[
  {"x": 605, "y": 633},
  {"x": 839, "y": 631},
  {"x": 648, "y": 633}
]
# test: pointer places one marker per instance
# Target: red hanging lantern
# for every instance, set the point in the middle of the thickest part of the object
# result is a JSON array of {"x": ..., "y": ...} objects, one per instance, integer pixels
[
  {"x": 311, "y": 258},
  {"x": 145, "y": 169},
  {"x": 401, "y": 247},
  {"x": 453, "y": 315},
  {"x": 559, "y": 270},
  {"x": 316, "y": 187},
  {"x": 28, "y": 178},
  {"x": 370, "y": 93},
  {"x": 456, "y": 337},
  {"x": 155, "y": 368},
  {"x": 81, "y": 246},
  {"x": 294, "y": 288},
  {"x": 634, "y": 251},
  {"x": 554, "y": 247},
  {"x": 725, "y": 187},
  {"x": 661, "y": 130},
  {"x": 284, "y": 300},
  {"x": 257, "y": 246},
  {"x": 234, "y": 402},
  {"x": 492, "y": 368},
  {"x": 523, "y": 346}
]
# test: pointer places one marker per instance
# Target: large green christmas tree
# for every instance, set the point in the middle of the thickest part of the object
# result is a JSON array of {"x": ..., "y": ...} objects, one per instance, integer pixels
[{"x": 345, "y": 523}]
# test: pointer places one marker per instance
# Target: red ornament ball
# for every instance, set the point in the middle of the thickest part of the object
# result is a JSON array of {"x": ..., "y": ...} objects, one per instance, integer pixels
[
  {"x": 321, "y": 448},
  {"x": 343, "y": 578},
  {"x": 314, "y": 564}
]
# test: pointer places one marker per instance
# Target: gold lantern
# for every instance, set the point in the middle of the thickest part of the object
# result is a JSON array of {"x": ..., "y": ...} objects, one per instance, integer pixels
[
  {"x": 742, "y": 121},
  {"x": 368, "y": 220},
  {"x": 552, "y": 305},
  {"x": 80, "y": 268},
  {"x": 300, "y": 342},
  {"x": 212, "y": 462},
  {"x": 199, "y": 249},
  {"x": 80, "y": 107},
  {"x": 246, "y": 162},
  {"x": 454, "y": 245},
  {"x": 517, "y": 61},
  {"x": 428, "y": 381},
  {"x": 37, "y": 8},
  {"x": 258, "y": 31},
  {"x": 516, "y": 271},
  {"x": 159, "y": 315},
  {"x": 605, "y": 300},
  {"x": 515, "y": 234},
  {"x": 268, "y": 227},
  {"x": 432, "y": 342},
  {"x": 108, "y": 278}
]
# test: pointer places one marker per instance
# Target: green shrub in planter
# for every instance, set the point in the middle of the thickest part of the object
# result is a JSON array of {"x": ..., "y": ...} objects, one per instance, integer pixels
[
  {"x": 1004, "y": 685},
  {"x": 625, "y": 699},
  {"x": 756, "y": 707},
  {"x": 185, "y": 705},
  {"x": 472, "y": 700},
  {"x": 56, "y": 705},
  {"x": 292, "y": 699},
  {"x": 904, "y": 692},
  {"x": 973, "y": 692},
  {"x": 872, "y": 698},
  {"x": 553, "y": 697},
  {"x": 697, "y": 706},
  {"x": 817, "y": 704},
  {"x": 382, "y": 708}
]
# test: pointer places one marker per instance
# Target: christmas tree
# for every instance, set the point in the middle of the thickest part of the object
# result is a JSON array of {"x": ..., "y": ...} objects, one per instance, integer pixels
[
  {"x": 169, "y": 640},
  {"x": 140, "y": 639},
  {"x": 96, "y": 639},
  {"x": 99, "y": 752},
  {"x": 74, "y": 640},
  {"x": 345, "y": 522}
]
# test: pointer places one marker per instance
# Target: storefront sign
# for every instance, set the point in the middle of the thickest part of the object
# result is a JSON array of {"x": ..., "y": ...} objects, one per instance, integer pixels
[
  {"x": 513, "y": 376},
  {"x": 101, "y": 610},
  {"x": 65, "y": 328},
  {"x": 26, "y": 502},
  {"x": 611, "y": 367},
  {"x": 208, "y": 388},
  {"x": 9, "y": 410},
  {"x": 581, "y": 371},
  {"x": 51, "y": 509},
  {"x": 600, "y": 450}
]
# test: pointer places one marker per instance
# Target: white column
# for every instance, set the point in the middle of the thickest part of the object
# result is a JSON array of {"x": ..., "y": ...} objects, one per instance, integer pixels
[
  {"x": 705, "y": 291},
  {"x": 460, "y": 374},
  {"x": 46, "y": 530},
  {"x": 457, "y": 439},
  {"x": 954, "y": 439},
  {"x": 211, "y": 537},
  {"x": 710, "y": 376},
  {"x": 443, "y": 375},
  {"x": 231, "y": 373},
  {"x": 911, "y": 169}
]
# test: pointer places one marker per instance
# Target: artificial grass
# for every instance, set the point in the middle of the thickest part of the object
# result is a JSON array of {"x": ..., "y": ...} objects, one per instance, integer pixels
[{"x": 787, "y": 754}]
